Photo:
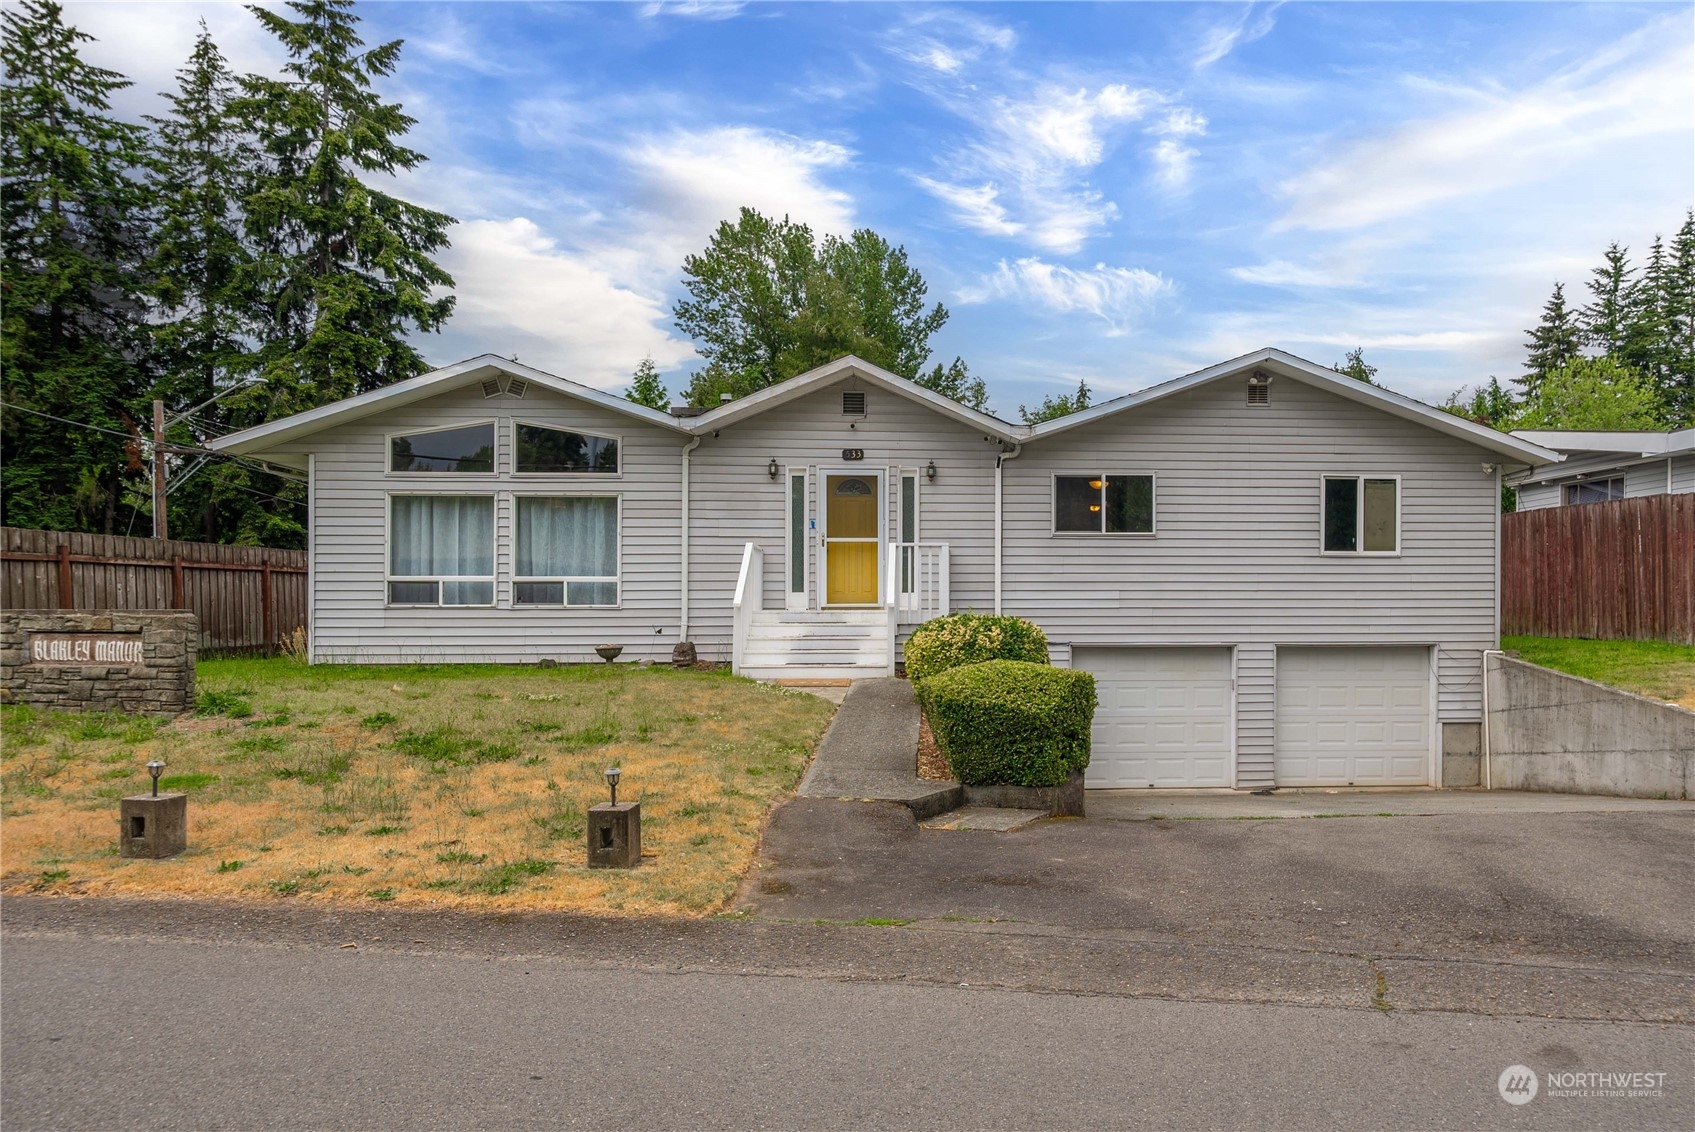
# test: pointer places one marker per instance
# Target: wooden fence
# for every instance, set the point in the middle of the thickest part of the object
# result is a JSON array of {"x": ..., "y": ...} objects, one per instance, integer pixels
[
  {"x": 1619, "y": 570},
  {"x": 247, "y": 598}
]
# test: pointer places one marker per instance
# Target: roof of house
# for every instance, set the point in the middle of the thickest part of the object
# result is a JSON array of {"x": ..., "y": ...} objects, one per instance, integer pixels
[
  {"x": 1657, "y": 444},
  {"x": 274, "y": 434},
  {"x": 1280, "y": 363}
]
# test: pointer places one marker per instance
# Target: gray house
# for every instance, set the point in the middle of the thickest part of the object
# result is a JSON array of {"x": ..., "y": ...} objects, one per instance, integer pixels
[
  {"x": 1280, "y": 575},
  {"x": 1601, "y": 466}
]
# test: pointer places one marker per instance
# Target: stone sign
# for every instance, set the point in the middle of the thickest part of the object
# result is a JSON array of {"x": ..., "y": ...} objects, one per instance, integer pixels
[
  {"x": 135, "y": 661},
  {"x": 85, "y": 648}
]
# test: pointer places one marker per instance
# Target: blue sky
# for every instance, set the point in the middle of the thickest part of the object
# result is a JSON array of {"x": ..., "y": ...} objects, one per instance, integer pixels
[{"x": 1118, "y": 193}]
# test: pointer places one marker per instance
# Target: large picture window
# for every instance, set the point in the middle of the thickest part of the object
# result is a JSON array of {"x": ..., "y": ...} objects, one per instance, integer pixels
[
  {"x": 1362, "y": 515},
  {"x": 567, "y": 550},
  {"x": 466, "y": 449},
  {"x": 1104, "y": 504},
  {"x": 441, "y": 550},
  {"x": 544, "y": 451}
]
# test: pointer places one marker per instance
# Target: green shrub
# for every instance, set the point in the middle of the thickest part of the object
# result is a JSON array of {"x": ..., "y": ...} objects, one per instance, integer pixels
[
  {"x": 1011, "y": 721},
  {"x": 959, "y": 639}
]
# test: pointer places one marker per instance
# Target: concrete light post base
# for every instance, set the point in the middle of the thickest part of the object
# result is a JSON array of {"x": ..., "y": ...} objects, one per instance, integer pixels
[
  {"x": 154, "y": 825},
  {"x": 615, "y": 835}
]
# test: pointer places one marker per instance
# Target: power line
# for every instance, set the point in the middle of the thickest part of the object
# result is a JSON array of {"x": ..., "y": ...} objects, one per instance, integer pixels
[{"x": 179, "y": 449}]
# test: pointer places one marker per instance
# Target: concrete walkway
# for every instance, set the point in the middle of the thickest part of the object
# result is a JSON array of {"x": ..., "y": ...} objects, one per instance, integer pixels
[
  {"x": 869, "y": 753},
  {"x": 1143, "y": 805}
]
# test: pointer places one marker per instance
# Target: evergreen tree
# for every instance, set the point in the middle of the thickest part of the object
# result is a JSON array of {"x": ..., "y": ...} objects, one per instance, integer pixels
[
  {"x": 73, "y": 226},
  {"x": 1356, "y": 367},
  {"x": 343, "y": 269},
  {"x": 647, "y": 388},
  {"x": 201, "y": 272},
  {"x": 1490, "y": 405},
  {"x": 1645, "y": 350},
  {"x": 1554, "y": 342},
  {"x": 766, "y": 301},
  {"x": 1061, "y": 405},
  {"x": 1677, "y": 304},
  {"x": 1605, "y": 320}
]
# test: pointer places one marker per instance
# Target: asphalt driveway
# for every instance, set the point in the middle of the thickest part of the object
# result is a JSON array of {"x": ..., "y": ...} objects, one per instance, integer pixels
[{"x": 1583, "y": 888}]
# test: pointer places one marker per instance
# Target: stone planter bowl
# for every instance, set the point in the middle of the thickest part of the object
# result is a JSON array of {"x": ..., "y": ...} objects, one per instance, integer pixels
[{"x": 608, "y": 653}]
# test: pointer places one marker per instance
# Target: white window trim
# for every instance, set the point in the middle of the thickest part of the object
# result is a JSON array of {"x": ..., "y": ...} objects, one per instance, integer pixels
[
  {"x": 574, "y": 477},
  {"x": 388, "y": 556},
  {"x": 1567, "y": 488},
  {"x": 617, "y": 580},
  {"x": 1053, "y": 505},
  {"x": 456, "y": 477},
  {"x": 1359, "y": 503}
]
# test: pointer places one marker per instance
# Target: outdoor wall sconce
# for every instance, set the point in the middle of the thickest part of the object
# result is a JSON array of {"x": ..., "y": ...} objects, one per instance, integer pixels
[
  {"x": 153, "y": 825},
  {"x": 771, "y": 469},
  {"x": 615, "y": 830},
  {"x": 930, "y": 471}
]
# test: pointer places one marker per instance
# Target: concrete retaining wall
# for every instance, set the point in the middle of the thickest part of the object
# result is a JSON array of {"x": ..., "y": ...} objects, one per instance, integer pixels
[{"x": 1553, "y": 732}]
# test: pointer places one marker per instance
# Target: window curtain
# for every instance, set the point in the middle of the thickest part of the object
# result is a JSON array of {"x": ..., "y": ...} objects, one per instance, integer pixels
[
  {"x": 440, "y": 536},
  {"x": 567, "y": 537}
]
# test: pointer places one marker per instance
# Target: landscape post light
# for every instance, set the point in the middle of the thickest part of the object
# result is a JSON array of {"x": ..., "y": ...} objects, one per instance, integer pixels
[
  {"x": 156, "y": 768},
  {"x": 612, "y": 774}
]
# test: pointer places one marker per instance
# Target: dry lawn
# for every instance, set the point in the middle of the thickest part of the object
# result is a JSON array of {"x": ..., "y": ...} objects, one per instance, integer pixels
[{"x": 442, "y": 785}]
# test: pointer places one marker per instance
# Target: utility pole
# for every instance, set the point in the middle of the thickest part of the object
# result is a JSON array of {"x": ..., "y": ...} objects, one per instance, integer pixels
[{"x": 161, "y": 527}]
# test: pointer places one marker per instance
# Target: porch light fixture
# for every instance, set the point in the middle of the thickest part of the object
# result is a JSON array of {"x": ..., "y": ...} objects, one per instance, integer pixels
[
  {"x": 156, "y": 768},
  {"x": 771, "y": 469},
  {"x": 930, "y": 471},
  {"x": 612, "y": 775}
]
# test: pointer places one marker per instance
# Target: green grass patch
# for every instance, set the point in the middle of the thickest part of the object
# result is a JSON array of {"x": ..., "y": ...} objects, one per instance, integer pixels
[
  {"x": 504, "y": 878},
  {"x": 232, "y": 702},
  {"x": 181, "y": 783},
  {"x": 449, "y": 746},
  {"x": 1657, "y": 669}
]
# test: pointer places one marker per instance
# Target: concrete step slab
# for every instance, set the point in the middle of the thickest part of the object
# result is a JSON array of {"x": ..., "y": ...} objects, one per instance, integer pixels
[{"x": 985, "y": 817}]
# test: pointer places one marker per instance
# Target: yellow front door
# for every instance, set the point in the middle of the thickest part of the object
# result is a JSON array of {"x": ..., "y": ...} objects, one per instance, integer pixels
[{"x": 850, "y": 540}]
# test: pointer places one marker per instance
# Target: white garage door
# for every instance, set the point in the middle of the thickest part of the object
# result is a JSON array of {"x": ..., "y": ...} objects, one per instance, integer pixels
[
  {"x": 1353, "y": 717},
  {"x": 1163, "y": 717}
]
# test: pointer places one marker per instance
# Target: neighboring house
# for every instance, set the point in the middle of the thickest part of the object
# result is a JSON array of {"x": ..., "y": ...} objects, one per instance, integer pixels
[
  {"x": 1601, "y": 466},
  {"x": 1280, "y": 575}
]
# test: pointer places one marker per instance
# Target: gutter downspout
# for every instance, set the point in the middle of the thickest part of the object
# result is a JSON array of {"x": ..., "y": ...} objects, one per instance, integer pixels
[
  {"x": 999, "y": 460},
  {"x": 683, "y": 592}
]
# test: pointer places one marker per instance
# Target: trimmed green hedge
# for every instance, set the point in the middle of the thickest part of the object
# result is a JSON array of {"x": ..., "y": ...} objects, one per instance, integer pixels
[
  {"x": 959, "y": 639},
  {"x": 1011, "y": 721}
]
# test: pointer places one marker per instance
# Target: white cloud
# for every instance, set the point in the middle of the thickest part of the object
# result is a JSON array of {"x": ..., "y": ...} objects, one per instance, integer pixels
[
  {"x": 1221, "y": 39},
  {"x": 694, "y": 9},
  {"x": 1172, "y": 163},
  {"x": 948, "y": 41},
  {"x": 562, "y": 310},
  {"x": 149, "y": 43},
  {"x": 1116, "y": 295},
  {"x": 1640, "y": 87},
  {"x": 1282, "y": 273},
  {"x": 1027, "y": 175}
]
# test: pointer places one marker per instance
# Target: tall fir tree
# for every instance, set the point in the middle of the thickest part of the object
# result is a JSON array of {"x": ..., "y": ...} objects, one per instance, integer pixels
[
  {"x": 648, "y": 388},
  {"x": 73, "y": 227},
  {"x": 1605, "y": 319},
  {"x": 1677, "y": 289},
  {"x": 1554, "y": 342},
  {"x": 201, "y": 275},
  {"x": 343, "y": 270}
]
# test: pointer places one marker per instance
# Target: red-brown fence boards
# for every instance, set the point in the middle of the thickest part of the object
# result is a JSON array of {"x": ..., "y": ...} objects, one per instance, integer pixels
[
  {"x": 1619, "y": 570},
  {"x": 247, "y": 597}
]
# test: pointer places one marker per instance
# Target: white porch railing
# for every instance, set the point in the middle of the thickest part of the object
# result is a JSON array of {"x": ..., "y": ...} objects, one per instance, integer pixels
[
  {"x": 750, "y": 595},
  {"x": 918, "y": 581}
]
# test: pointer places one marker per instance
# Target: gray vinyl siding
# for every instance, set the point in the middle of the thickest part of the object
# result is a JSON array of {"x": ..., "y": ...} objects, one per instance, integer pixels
[
  {"x": 350, "y": 618},
  {"x": 735, "y": 501},
  {"x": 1645, "y": 479},
  {"x": 1682, "y": 474},
  {"x": 1256, "y": 716},
  {"x": 1535, "y": 496},
  {"x": 1236, "y": 556}
]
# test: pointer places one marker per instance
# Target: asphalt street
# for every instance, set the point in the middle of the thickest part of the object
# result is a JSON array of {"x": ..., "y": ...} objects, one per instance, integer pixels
[{"x": 145, "y": 1031}]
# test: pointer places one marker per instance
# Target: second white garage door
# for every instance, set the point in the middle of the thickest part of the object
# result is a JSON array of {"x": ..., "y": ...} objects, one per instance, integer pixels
[
  {"x": 1353, "y": 716},
  {"x": 1163, "y": 717}
]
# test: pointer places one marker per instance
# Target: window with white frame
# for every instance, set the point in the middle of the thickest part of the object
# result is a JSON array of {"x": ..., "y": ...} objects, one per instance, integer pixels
[
  {"x": 441, "y": 550},
  {"x": 1104, "y": 504},
  {"x": 465, "y": 449},
  {"x": 1362, "y": 515},
  {"x": 566, "y": 551},
  {"x": 1595, "y": 491},
  {"x": 549, "y": 451}
]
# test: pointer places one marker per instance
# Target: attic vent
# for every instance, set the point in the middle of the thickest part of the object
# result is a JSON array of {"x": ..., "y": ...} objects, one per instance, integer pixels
[
  {"x": 853, "y": 403},
  {"x": 1259, "y": 390},
  {"x": 511, "y": 386}
]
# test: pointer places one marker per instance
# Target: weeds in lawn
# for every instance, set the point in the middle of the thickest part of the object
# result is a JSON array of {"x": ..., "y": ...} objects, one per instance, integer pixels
[{"x": 229, "y": 701}]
